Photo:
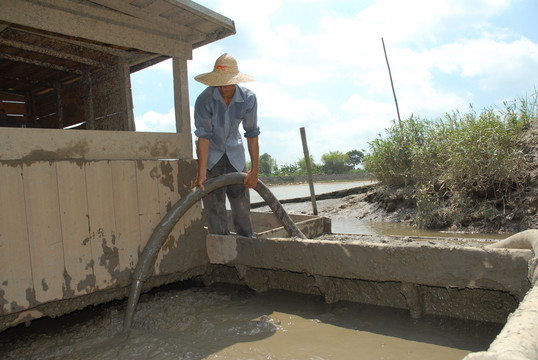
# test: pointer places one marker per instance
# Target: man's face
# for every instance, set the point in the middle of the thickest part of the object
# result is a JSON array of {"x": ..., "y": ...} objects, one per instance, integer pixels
[{"x": 227, "y": 91}]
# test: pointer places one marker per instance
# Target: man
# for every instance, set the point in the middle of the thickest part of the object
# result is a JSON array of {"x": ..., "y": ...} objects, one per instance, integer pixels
[{"x": 218, "y": 112}]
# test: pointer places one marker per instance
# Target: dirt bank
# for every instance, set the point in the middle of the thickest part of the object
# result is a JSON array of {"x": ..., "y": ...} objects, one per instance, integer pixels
[{"x": 397, "y": 204}]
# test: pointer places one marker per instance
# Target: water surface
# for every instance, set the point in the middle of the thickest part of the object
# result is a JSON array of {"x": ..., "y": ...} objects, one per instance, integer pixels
[{"x": 229, "y": 322}]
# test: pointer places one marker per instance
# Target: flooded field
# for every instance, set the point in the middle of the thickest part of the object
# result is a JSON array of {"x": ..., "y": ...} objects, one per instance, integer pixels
[{"x": 229, "y": 322}]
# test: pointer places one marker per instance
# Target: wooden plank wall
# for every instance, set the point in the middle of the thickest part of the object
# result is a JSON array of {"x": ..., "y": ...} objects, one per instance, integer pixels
[{"x": 69, "y": 228}]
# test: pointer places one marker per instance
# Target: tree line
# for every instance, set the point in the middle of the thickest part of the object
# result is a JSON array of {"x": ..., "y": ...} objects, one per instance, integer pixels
[{"x": 333, "y": 162}]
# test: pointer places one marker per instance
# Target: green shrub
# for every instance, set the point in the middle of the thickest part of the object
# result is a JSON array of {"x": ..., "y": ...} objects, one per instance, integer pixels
[{"x": 456, "y": 164}]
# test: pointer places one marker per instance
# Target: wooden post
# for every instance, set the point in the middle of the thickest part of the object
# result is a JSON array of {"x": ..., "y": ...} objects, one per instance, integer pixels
[
  {"x": 309, "y": 170},
  {"x": 181, "y": 100},
  {"x": 88, "y": 102},
  {"x": 126, "y": 96},
  {"x": 59, "y": 106},
  {"x": 31, "y": 115}
]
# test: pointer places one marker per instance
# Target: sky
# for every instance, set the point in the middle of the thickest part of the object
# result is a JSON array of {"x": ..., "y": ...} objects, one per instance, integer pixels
[{"x": 320, "y": 64}]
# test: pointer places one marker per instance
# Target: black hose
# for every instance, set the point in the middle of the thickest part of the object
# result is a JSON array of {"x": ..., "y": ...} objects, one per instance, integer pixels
[{"x": 146, "y": 262}]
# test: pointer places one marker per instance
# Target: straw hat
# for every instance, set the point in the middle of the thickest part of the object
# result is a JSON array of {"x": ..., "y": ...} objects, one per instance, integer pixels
[{"x": 224, "y": 73}]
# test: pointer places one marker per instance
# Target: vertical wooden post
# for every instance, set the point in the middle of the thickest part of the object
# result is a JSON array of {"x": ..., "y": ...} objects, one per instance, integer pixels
[
  {"x": 59, "y": 106},
  {"x": 88, "y": 102},
  {"x": 31, "y": 115},
  {"x": 181, "y": 100},
  {"x": 126, "y": 96},
  {"x": 309, "y": 170}
]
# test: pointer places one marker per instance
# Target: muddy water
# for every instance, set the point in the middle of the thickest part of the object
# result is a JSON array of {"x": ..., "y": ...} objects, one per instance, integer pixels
[
  {"x": 351, "y": 224},
  {"x": 301, "y": 190},
  {"x": 235, "y": 323},
  {"x": 357, "y": 226}
]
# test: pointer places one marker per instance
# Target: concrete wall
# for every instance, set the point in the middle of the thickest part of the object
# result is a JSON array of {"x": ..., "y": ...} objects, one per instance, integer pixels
[
  {"x": 71, "y": 230},
  {"x": 438, "y": 279}
]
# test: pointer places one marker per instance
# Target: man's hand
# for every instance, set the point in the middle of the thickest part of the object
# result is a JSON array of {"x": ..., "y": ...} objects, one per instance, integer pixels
[
  {"x": 200, "y": 180},
  {"x": 202, "y": 150},
  {"x": 251, "y": 179}
]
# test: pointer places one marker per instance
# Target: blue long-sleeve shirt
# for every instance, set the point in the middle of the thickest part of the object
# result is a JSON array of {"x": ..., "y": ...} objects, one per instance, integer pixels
[{"x": 220, "y": 124}]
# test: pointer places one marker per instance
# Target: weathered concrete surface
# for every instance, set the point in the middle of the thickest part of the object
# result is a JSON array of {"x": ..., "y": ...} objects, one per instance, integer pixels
[
  {"x": 267, "y": 224},
  {"x": 71, "y": 231},
  {"x": 527, "y": 239},
  {"x": 27, "y": 145},
  {"x": 470, "y": 304},
  {"x": 425, "y": 277},
  {"x": 519, "y": 338},
  {"x": 412, "y": 262}
]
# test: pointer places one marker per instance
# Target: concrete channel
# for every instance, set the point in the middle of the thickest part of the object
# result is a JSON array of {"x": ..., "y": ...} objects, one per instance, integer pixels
[
  {"x": 427, "y": 276},
  {"x": 477, "y": 280}
]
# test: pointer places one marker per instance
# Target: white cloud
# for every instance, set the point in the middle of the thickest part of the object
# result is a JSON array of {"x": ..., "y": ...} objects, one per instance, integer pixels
[
  {"x": 289, "y": 31},
  {"x": 154, "y": 122},
  {"x": 367, "y": 114},
  {"x": 275, "y": 103},
  {"x": 326, "y": 69},
  {"x": 497, "y": 61}
]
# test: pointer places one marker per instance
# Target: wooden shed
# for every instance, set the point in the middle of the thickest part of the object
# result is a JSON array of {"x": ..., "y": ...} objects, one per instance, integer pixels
[{"x": 80, "y": 190}]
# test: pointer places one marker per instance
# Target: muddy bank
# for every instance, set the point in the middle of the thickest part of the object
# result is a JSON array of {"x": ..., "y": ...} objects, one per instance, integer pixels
[
  {"x": 398, "y": 204},
  {"x": 381, "y": 204}
]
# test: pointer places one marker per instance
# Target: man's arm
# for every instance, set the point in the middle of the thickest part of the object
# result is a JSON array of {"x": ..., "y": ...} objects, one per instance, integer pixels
[
  {"x": 202, "y": 151},
  {"x": 254, "y": 150}
]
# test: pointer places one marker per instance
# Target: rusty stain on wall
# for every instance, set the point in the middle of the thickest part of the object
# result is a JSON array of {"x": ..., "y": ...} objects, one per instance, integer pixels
[
  {"x": 157, "y": 148},
  {"x": 30, "y": 297},
  {"x": 66, "y": 286},
  {"x": 110, "y": 258},
  {"x": 44, "y": 284},
  {"x": 154, "y": 173},
  {"x": 74, "y": 150},
  {"x": 167, "y": 178},
  {"x": 139, "y": 165},
  {"x": 87, "y": 284},
  {"x": 3, "y": 301},
  {"x": 186, "y": 175}
]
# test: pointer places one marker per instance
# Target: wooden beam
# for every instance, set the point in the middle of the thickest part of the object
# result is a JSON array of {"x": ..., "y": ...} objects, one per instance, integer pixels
[
  {"x": 151, "y": 14},
  {"x": 137, "y": 66},
  {"x": 39, "y": 63},
  {"x": 95, "y": 23},
  {"x": 89, "y": 45},
  {"x": 51, "y": 52},
  {"x": 204, "y": 13},
  {"x": 26, "y": 80}
]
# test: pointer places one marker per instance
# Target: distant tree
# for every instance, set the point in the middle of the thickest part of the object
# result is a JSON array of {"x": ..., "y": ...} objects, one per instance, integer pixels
[
  {"x": 267, "y": 164},
  {"x": 302, "y": 165},
  {"x": 355, "y": 158},
  {"x": 289, "y": 169},
  {"x": 334, "y": 162}
]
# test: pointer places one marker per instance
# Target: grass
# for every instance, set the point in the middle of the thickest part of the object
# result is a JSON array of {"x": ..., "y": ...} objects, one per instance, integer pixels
[{"x": 461, "y": 164}]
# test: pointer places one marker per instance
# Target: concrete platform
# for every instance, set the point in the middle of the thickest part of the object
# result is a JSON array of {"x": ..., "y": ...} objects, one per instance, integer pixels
[{"x": 427, "y": 277}]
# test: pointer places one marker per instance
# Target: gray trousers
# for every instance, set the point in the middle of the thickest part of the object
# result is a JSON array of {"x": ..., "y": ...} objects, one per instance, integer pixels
[{"x": 215, "y": 203}]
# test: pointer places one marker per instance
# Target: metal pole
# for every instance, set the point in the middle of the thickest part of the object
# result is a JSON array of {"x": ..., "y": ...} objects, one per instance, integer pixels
[
  {"x": 391, "y": 84},
  {"x": 309, "y": 170}
]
